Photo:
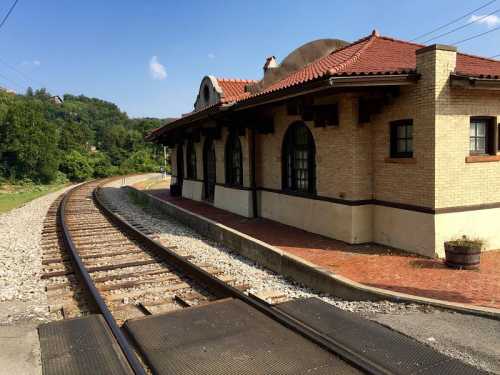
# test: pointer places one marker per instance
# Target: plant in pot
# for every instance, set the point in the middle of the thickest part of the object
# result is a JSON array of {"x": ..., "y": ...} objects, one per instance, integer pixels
[{"x": 463, "y": 253}]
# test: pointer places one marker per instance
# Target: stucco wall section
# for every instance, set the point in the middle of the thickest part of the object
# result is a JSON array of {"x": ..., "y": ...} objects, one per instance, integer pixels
[
  {"x": 403, "y": 229},
  {"x": 481, "y": 224},
  {"x": 192, "y": 190},
  {"x": 237, "y": 201},
  {"x": 347, "y": 223}
]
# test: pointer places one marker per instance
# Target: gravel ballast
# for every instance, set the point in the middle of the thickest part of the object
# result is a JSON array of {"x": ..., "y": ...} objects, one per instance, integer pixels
[
  {"x": 21, "y": 259},
  {"x": 205, "y": 251},
  {"x": 388, "y": 313}
]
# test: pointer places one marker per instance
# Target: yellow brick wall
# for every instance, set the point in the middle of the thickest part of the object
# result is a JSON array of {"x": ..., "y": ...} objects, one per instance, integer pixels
[
  {"x": 459, "y": 183},
  {"x": 404, "y": 183},
  {"x": 220, "y": 147},
  {"x": 343, "y": 153},
  {"x": 351, "y": 158}
]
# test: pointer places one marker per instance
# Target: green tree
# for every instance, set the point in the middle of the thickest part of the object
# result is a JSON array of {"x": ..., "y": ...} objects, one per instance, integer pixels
[
  {"x": 140, "y": 161},
  {"x": 77, "y": 166},
  {"x": 101, "y": 164},
  {"x": 28, "y": 147}
]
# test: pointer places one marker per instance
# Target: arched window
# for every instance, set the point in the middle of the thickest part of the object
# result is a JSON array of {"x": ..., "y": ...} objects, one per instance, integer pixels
[
  {"x": 299, "y": 159},
  {"x": 234, "y": 168},
  {"x": 191, "y": 160}
]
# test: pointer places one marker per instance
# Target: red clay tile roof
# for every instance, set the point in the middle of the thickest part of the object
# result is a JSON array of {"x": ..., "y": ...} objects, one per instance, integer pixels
[
  {"x": 477, "y": 66},
  {"x": 371, "y": 55},
  {"x": 233, "y": 89},
  {"x": 376, "y": 54}
]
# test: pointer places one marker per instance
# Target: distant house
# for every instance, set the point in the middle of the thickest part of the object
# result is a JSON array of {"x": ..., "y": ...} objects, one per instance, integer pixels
[
  {"x": 7, "y": 90},
  {"x": 379, "y": 140},
  {"x": 56, "y": 99}
]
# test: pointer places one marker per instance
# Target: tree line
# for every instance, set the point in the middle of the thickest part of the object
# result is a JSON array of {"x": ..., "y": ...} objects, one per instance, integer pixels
[{"x": 44, "y": 141}]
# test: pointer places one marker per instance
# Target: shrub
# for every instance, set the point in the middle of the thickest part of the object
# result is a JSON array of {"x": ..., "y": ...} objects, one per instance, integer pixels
[
  {"x": 140, "y": 161},
  {"x": 101, "y": 164},
  {"x": 77, "y": 166}
]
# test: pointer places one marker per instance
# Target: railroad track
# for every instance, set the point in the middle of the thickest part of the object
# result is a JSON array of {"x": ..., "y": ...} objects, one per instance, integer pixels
[
  {"x": 98, "y": 260},
  {"x": 126, "y": 272},
  {"x": 131, "y": 278}
]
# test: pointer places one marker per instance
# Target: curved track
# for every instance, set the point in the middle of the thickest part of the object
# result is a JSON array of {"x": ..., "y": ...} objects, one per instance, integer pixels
[{"x": 126, "y": 273}]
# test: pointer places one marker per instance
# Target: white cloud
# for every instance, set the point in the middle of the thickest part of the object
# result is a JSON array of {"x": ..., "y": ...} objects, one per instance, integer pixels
[
  {"x": 156, "y": 69},
  {"x": 490, "y": 21},
  {"x": 211, "y": 56},
  {"x": 29, "y": 64}
]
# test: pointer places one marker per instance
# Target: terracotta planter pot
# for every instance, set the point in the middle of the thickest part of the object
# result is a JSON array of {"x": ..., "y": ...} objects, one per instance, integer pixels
[{"x": 463, "y": 255}]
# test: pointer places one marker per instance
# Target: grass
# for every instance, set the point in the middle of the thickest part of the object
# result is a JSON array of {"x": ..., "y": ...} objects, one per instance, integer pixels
[{"x": 13, "y": 196}]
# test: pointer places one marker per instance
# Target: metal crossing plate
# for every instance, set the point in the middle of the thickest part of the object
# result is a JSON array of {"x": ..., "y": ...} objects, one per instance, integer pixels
[
  {"x": 391, "y": 350},
  {"x": 80, "y": 346},
  {"x": 227, "y": 337}
]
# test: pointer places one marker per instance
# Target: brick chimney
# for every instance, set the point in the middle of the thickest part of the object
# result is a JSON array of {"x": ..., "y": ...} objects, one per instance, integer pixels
[
  {"x": 434, "y": 64},
  {"x": 270, "y": 63}
]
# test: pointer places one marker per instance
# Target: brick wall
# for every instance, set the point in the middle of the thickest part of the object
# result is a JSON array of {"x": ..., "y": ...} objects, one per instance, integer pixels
[
  {"x": 343, "y": 153},
  {"x": 459, "y": 183}
]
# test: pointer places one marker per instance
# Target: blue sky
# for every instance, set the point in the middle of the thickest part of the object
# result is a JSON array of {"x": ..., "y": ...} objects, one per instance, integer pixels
[{"x": 149, "y": 56}]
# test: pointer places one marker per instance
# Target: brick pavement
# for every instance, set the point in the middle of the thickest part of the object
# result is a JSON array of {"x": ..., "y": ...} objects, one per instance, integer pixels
[{"x": 369, "y": 264}]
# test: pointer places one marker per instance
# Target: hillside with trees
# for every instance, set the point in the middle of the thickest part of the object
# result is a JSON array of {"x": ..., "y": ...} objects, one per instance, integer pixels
[{"x": 43, "y": 140}]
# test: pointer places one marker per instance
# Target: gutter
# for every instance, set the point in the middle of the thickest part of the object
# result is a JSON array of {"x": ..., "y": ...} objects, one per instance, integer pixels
[
  {"x": 328, "y": 83},
  {"x": 478, "y": 83}
]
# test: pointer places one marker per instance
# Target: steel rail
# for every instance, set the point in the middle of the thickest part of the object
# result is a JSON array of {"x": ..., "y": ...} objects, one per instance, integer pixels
[
  {"x": 223, "y": 290},
  {"x": 79, "y": 267}
]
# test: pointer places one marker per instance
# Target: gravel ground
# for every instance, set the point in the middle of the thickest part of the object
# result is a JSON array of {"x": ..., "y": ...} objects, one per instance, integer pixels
[
  {"x": 244, "y": 270},
  {"x": 20, "y": 260},
  {"x": 420, "y": 322}
]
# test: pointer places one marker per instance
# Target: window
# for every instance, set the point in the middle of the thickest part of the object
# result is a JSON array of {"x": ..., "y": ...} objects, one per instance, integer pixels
[
  {"x": 402, "y": 139},
  {"x": 482, "y": 139},
  {"x": 191, "y": 160},
  {"x": 234, "y": 168},
  {"x": 298, "y": 159}
]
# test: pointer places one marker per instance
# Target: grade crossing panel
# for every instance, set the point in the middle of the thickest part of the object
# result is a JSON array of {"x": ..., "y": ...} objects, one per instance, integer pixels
[
  {"x": 228, "y": 337},
  {"x": 81, "y": 346},
  {"x": 390, "y": 350}
]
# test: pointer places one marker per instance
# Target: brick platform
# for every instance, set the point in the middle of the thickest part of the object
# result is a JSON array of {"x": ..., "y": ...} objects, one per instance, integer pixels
[{"x": 372, "y": 265}]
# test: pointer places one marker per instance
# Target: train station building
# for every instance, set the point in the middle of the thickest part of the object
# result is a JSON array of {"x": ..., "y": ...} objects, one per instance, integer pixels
[{"x": 379, "y": 140}]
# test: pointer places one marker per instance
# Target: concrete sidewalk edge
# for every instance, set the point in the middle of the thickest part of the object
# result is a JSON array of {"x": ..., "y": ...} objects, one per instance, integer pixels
[{"x": 294, "y": 267}]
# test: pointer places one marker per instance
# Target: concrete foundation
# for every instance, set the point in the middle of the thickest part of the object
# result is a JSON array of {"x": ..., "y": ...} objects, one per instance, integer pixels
[
  {"x": 192, "y": 190},
  {"x": 237, "y": 201}
]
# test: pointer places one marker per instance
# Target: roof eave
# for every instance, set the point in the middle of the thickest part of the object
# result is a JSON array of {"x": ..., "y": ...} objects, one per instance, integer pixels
[
  {"x": 471, "y": 82},
  {"x": 383, "y": 79},
  {"x": 187, "y": 120}
]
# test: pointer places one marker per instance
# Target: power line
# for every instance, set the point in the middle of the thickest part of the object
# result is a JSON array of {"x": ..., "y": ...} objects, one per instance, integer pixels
[
  {"x": 10, "y": 80},
  {"x": 454, "y": 21},
  {"x": 461, "y": 27},
  {"x": 23, "y": 75},
  {"x": 475, "y": 36},
  {"x": 8, "y": 13},
  {"x": 492, "y": 57}
]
